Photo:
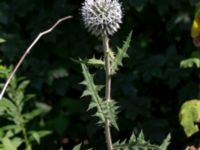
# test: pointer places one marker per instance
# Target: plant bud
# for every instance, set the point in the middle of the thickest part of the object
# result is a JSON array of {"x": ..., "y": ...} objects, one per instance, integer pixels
[{"x": 102, "y": 17}]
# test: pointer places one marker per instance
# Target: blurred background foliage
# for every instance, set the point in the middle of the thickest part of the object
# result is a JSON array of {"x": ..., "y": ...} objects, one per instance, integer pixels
[{"x": 150, "y": 88}]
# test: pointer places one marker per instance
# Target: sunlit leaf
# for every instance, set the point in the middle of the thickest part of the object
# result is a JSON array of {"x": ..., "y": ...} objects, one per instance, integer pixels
[
  {"x": 17, "y": 141},
  {"x": 43, "y": 107},
  {"x": 37, "y": 135},
  {"x": 165, "y": 142},
  {"x": 91, "y": 62},
  {"x": 77, "y": 147},
  {"x": 189, "y": 117},
  {"x": 8, "y": 144},
  {"x": 2, "y": 40},
  {"x": 32, "y": 114},
  {"x": 191, "y": 62}
]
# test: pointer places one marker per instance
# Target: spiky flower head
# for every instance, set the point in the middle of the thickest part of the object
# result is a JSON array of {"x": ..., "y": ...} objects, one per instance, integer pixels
[{"x": 102, "y": 17}]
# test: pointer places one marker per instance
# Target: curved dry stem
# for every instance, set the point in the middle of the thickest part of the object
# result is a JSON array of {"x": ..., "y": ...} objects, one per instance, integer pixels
[{"x": 27, "y": 51}]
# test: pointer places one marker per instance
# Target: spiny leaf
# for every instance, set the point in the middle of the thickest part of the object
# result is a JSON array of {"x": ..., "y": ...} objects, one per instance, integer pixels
[
  {"x": 122, "y": 53},
  {"x": 189, "y": 116},
  {"x": 95, "y": 62},
  {"x": 110, "y": 112},
  {"x": 190, "y": 62},
  {"x": 139, "y": 143},
  {"x": 91, "y": 62},
  {"x": 105, "y": 109},
  {"x": 92, "y": 90},
  {"x": 165, "y": 142},
  {"x": 77, "y": 147}
]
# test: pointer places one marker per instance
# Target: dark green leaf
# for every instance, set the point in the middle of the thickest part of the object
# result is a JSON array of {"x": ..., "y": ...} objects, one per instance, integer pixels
[{"x": 122, "y": 53}]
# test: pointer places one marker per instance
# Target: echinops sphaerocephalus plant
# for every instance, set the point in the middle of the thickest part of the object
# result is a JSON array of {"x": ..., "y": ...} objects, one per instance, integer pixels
[{"x": 103, "y": 18}]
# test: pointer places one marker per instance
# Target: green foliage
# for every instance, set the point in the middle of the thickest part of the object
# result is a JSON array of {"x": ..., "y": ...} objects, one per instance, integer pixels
[
  {"x": 94, "y": 62},
  {"x": 56, "y": 74},
  {"x": 13, "y": 108},
  {"x": 194, "y": 61},
  {"x": 11, "y": 144},
  {"x": 91, "y": 62},
  {"x": 189, "y": 116},
  {"x": 122, "y": 53},
  {"x": 2, "y": 40},
  {"x": 165, "y": 143},
  {"x": 104, "y": 109},
  {"x": 188, "y": 63},
  {"x": 110, "y": 110},
  {"x": 77, "y": 147},
  {"x": 139, "y": 143}
]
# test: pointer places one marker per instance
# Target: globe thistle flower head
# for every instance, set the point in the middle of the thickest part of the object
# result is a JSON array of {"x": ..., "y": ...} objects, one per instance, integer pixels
[{"x": 102, "y": 17}]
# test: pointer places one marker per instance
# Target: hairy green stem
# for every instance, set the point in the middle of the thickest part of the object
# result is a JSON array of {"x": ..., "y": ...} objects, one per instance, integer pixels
[
  {"x": 108, "y": 88},
  {"x": 27, "y": 142}
]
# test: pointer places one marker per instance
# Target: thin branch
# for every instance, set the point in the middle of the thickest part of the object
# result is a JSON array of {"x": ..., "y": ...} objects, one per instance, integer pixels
[
  {"x": 107, "y": 89},
  {"x": 28, "y": 50}
]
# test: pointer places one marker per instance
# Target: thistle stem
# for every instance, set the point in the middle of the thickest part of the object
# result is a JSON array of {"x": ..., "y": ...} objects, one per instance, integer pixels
[
  {"x": 108, "y": 87},
  {"x": 27, "y": 142}
]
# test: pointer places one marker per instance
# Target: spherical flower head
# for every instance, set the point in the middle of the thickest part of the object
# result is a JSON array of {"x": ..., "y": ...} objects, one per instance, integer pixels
[{"x": 102, "y": 17}]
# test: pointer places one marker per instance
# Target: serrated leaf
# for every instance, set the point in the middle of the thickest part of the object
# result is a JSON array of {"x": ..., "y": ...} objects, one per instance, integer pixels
[
  {"x": 110, "y": 112},
  {"x": 92, "y": 90},
  {"x": 139, "y": 143},
  {"x": 77, "y": 147},
  {"x": 141, "y": 138},
  {"x": 133, "y": 138},
  {"x": 91, "y": 106},
  {"x": 91, "y": 62},
  {"x": 95, "y": 62},
  {"x": 44, "y": 133},
  {"x": 28, "y": 97},
  {"x": 8, "y": 145},
  {"x": 165, "y": 142},
  {"x": 122, "y": 53},
  {"x": 8, "y": 106},
  {"x": 86, "y": 93},
  {"x": 189, "y": 116},
  {"x": 37, "y": 135},
  {"x": 15, "y": 142},
  {"x": 14, "y": 129},
  {"x": 31, "y": 115},
  {"x": 22, "y": 86},
  {"x": 189, "y": 63}
]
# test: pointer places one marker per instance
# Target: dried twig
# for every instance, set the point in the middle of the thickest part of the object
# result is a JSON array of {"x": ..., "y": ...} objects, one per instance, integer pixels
[{"x": 28, "y": 50}]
